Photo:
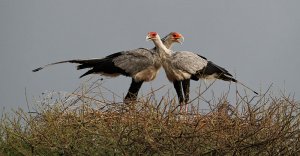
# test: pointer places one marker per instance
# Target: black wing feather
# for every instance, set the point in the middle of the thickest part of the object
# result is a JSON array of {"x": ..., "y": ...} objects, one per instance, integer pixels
[
  {"x": 104, "y": 65},
  {"x": 213, "y": 69}
]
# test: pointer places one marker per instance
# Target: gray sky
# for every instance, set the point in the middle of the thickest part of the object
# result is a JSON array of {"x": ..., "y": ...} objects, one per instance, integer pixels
[{"x": 257, "y": 40}]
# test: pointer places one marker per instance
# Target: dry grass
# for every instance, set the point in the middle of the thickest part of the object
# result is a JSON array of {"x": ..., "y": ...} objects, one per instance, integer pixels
[{"x": 85, "y": 123}]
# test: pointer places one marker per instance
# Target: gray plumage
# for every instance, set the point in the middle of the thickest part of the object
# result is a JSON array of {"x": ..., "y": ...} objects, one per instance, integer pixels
[
  {"x": 137, "y": 61},
  {"x": 182, "y": 66},
  {"x": 187, "y": 61},
  {"x": 141, "y": 64},
  {"x": 127, "y": 63}
]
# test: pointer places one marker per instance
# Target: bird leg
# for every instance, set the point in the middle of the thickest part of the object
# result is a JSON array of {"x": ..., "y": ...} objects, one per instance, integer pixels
[
  {"x": 178, "y": 88},
  {"x": 133, "y": 91},
  {"x": 186, "y": 91}
]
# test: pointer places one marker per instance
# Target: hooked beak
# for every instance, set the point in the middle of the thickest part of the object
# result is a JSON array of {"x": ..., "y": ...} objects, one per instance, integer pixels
[
  {"x": 180, "y": 40},
  {"x": 148, "y": 38}
]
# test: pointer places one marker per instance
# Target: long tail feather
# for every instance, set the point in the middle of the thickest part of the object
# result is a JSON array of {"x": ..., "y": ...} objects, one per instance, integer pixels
[
  {"x": 83, "y": 63},
  {"x": 223, "y": 74},
  {"x": 229, "y": 78},
  {"x": 247, "y": 87},
  {"x": 40, "y": 68}
]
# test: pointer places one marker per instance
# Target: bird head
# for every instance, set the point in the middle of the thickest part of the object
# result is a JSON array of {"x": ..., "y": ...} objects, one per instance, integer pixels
[
  {"x": 171, "y": 38},
  {"x": 152, "y": 36},
  {"x": 177, "y": 37}
]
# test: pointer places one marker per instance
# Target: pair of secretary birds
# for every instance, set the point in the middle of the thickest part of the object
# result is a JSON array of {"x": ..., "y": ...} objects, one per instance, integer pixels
[{"x": 142, "y": 65}]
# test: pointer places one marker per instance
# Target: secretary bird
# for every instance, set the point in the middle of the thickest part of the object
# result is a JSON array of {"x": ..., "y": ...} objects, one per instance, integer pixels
[
  {"x": 182, "y": 66},
  {"x": 141, "y": 64}
]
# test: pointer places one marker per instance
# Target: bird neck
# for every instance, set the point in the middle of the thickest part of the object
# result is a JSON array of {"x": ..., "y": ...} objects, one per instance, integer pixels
[
  {"x": 168, "y": 43},
  {"x": 161, "y": 47}
]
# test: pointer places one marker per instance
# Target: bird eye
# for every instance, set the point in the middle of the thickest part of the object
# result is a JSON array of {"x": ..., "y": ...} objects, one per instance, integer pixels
[
  {"x": 176, "y": 35},
  {"x": 153, "y": 34}
]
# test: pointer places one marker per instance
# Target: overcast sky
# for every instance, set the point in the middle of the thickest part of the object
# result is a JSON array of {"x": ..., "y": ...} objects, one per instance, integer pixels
[{"x": 256, "y": 40}]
